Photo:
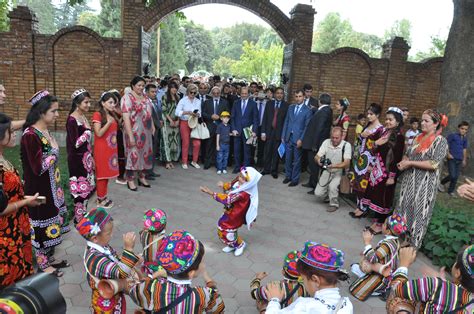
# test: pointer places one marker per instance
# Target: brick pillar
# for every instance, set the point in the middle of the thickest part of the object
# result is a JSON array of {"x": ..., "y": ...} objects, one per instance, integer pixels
[{"x": 397, "y": 90}]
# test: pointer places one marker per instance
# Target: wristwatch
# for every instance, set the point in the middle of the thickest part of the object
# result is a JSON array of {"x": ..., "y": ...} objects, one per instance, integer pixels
[{"x": 275, "y": 299}]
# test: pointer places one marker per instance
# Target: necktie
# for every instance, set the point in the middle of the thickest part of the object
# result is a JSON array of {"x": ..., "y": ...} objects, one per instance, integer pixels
[
  {"x": 275, "y": 113},
  {"x": 297, "y": 110},
  {"x": 244, "y": 105},
  {"x": 216, "y": 102},
  {"x": 260, "y": 111}
]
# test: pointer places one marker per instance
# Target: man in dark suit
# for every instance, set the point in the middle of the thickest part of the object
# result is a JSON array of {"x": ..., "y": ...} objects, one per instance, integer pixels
[
  {"x": 156, "y": 114},
  {"x": 272, "y": 126},
  {"x": 309, "y": 100},
  {"x": 319, "y": 129},
  {"x": 294, "y": 130},
  {"x": 211, "y": 112},
  {"x": 244, "y": 114},
  {"x": 203, "y": 94},
  {"x": 262, "y": 103}
]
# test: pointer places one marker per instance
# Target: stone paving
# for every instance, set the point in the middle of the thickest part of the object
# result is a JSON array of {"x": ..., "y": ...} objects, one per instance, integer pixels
[{"x": 288, "y": 217}]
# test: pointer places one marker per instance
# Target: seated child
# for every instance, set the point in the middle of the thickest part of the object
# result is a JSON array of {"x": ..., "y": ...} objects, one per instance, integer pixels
[
  {"x": 320, "y": 267},
  {"x": 435, "y": 294},
  {"x": 292, "y": 288},
  {"x": 102, "y": 262},
  {"x": 240, "y": 200},
  {"x": 377, "y": 265},
  {"x": 154, "y": 224},
  {"x": 181, "y": 255}
]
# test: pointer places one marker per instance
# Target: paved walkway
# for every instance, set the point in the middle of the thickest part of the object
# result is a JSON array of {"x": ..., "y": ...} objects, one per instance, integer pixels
[{"x": 287, "y": 218}]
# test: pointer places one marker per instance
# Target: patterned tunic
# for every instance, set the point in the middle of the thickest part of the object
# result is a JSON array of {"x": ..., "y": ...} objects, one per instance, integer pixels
[
  {"x": 343, "y": 122},
  {"x": 80, "y": 164},
  {"x": 419, "y": 188},
  {"x": 140, "y": 156},
  {"x": 154, "y": 294},
  {"x": 258, "y": 292},
  {"x": 16, "y": 251},
  {"x": 150, "y": 242},
  {"x": 105, "y": 150},
  {"x": 170, "y": 146}
]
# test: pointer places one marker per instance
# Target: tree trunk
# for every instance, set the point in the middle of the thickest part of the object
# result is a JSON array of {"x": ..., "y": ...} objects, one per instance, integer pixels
[{"x": 457, "y": 74}]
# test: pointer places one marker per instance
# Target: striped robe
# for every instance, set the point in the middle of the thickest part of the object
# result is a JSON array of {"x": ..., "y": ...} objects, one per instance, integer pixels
[
  {"x": 364, "y": 286},
  {"x": 154, "y": 294},
  {"x": 258, "y": 292}
]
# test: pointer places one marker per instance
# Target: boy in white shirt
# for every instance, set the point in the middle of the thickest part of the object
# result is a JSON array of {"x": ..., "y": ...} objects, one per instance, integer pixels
[{"x": 412, "y": 132}]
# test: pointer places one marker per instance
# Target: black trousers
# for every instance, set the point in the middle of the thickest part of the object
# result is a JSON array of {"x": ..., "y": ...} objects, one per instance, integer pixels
[
  {"x": 271, "y": 156},
  {"x": 209, "y": 149},
  {"x": 260, "y": 149},
  {"x": 313, "y": 168}
]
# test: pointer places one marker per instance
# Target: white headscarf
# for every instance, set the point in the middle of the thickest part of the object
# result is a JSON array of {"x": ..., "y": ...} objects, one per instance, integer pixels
[{"x": 250, "y": 187}]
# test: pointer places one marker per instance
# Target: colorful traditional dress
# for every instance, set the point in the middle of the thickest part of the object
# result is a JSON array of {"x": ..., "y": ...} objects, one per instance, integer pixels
[
  {"x": 362, "y": 161},
  {"x": 153, "y": 295},
  {"x": 41, "y": 174},
  {"x": 343, "y": 121},
  {"x": 104, "y": 263},
  {"x": 386, "y": 252},
  {"x": 105, "y": 150},
  {"x": 291, "y": 287},
  {"x": 378, "y": 196},
  {"x": 140, "y": 156},
  {"x": 80, "y": 164},
  {"x": 150, "y": 242},
  {"x": 16, "y": 251},
  {"x": 419, "y": 188},
  {"x": 170, "y": 145}
]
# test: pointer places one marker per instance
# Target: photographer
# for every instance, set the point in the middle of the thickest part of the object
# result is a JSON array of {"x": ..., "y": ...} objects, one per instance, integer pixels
[{"x": 333, "y": 156}]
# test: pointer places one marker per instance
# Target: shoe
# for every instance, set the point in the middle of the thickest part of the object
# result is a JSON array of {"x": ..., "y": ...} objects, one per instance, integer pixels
[
  {"x": 264, "y": 173},
  {"x": 452, "y": 194},
  {"x": 219, "y": 172},
  {"x": 275, "y": 175},
  {"x": 293, "y": 184},
  {"x": 61, "y": 264},
  {"x": 206, "y": 167},
  {"x": 240, "y": 249},
  {"x": 310, "y": 192},
  {"x": 332, "y": 208},
  {"x": 185, "y": 166},
  {"x": 195, "y": 165},
  {"x": 308, "y": 185},
  {"x": 368, "y": 228},
  {"x": 146, "y": 185},
  {"x": 235, "y": 170},
  {"x": 228, "y": 249},
  {"x": 120, "y": 181},
  {"x": 128, "y": 186},
  {"x": 148, "y": 177},
  {"x": 224, "y": 171},
  {"x": 360, "y": 216},
  {"x": 441, "y": 188},
  {"x": 105, "y": 203},
  {"x": 326, "y": 200},
  {"x": 286, "y": 181}
]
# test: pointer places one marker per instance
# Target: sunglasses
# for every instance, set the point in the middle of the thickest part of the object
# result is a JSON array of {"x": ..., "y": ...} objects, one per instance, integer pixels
[{"x": 192, "y": 93}]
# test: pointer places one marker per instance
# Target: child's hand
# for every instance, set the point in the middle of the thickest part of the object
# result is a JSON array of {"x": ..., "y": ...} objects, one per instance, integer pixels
[
  {"x": 218, "y": 148},
  {"x": 220, "y": 184},
  {"x": 407, "y": 256},
  {"x": 161, "y": 273},
  {"x": 129, "y": 241},
  {"x": 206, "y": 190},
  {"x": 261, "y": 275},
  {"x": 273, "y": 290},
  {"x": 367, "y": 236}
]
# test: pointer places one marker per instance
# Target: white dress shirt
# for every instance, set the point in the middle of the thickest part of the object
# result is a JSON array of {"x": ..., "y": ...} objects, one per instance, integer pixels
[
  {"x": 323, "y": 302},
  {"x": 186, "y": 104}
]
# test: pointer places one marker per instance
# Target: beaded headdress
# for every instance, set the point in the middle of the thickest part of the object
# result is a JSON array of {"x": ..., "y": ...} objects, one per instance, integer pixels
[
  {"x": 78, "y": 92},
  {"x": 395, "y": 109},
  {"x": 38, "y": 96}
]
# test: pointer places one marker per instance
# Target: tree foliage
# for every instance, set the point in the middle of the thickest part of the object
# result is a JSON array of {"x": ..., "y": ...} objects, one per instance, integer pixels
[
  {"x": 5, "y": 6},
  {"x": 107, "y": 22},
  {"x": 45, "y": 12},
  {"x": 438, "y": 45},
  {"x": 400, "y": 28},
  {"x": 67, "y": 15},
  {"x": 199, "y": 47}
]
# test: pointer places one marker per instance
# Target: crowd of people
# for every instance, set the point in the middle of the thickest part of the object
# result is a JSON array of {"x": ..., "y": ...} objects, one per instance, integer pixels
[{"x": 222, "y": 124}]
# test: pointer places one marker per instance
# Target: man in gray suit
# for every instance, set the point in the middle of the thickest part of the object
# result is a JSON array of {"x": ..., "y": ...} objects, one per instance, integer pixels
[{"x": 150, "y": 90}]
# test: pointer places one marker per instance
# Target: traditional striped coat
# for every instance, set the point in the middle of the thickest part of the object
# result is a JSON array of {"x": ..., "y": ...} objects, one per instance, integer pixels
[{"x": 258, "y": 292}]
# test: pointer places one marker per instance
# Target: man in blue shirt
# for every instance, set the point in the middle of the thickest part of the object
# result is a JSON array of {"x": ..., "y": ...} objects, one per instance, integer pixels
[{"x": 457, "y": 156}]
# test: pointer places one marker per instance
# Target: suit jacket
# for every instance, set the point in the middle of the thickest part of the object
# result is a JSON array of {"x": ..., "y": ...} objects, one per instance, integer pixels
[
  {"x": 156, "y": 114},
  {"x": 208, "y": 111},
  {"x": 319, "y": 129},
  {"x": 205, "y": 97},
  {"x": 241, "y": 120},
  {"x": 313, "y": 103},
  {"x": 267, "y": 127},
  {"x": 296, "y": 125}
]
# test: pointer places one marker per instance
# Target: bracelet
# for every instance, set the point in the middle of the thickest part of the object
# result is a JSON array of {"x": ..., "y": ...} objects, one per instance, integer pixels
[
  {"x": 16, "y": 205},
  {"x": 275, "y": 299}
]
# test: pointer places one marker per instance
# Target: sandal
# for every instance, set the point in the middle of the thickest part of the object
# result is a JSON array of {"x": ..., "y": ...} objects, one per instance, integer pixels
[
  {"x": 58, "y": 273},
  {"x": 62, "y": 264},
  {"x": 369, "y": 228},
  {"x": 105, "y": 203}
]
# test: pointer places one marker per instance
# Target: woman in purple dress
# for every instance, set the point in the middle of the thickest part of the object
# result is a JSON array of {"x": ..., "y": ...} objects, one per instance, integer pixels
[
  {"x": 79, "y": 153},
  {"x": 39, "y": 156}
]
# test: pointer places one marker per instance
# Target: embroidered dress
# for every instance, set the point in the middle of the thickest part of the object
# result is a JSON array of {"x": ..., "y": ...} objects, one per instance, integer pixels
[
  {"x": 104, "y": 263},
  {"x": 41, "y": 174},
  {"x": 105, "y": 150},
  {"x": 419, "y": 188},
  {"x": 363, "y": 159},
  {"x": 289, "y": 286},
  {"x": 235, "y": 209},
  {"x": 385, "y": 252},
  {"x": 170, "y": 146},
  {"x": 150, "y": 242},
  {"x": 16, "y": 261},
  {"x": 152, "y": 295},
  {"x": 343, "y": 122},
  {"x": 80, "y": 164},
  {"x": 435, "y": 295},
  {"x": 140, "y": 156},
  {"x": 378, "y": 196}
]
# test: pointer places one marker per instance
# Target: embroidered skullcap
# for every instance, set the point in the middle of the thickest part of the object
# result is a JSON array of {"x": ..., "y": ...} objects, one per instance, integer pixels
[
  {"x": 38, "y": 96},
  {"x": 93, "y": 222},
  {"x": 344, "y": 102},
  {"x": 78, "y": 92},
  {"x": 289, "y": 264},
  {"x": 245, "y": 172},
  {"x": 437, "y": 117},
  {"x": 395, "y": 109},
  {"x": 322, "y": 256},
  {"x": 397, "y": 224},
  {"x": 154, "y": 220},
  {"x": 468, "y": 260},
  {"x": 177, "y": 251},
  {"x": 225, "y": 114}
]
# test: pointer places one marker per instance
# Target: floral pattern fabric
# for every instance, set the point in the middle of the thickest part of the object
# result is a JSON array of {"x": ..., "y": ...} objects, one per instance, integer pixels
[{"x": 106, "y": 150}]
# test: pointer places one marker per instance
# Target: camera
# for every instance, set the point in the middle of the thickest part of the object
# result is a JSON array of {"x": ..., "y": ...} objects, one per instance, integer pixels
[{"x": 325, "y": 162}]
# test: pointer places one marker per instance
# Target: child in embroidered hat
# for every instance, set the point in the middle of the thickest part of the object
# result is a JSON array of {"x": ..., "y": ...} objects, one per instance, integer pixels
[
  {"x": 435, "y": 294},
  {"x": 320, "y": 267},
  {"x": 240, "y": 200},
  {"x": 292, "y": 288},
  {"x": 181, "y": 255},
  {"x": 102, "y": 262},
  {"x": 376, "y": 272},
  {"x": 154, "y": 224}
]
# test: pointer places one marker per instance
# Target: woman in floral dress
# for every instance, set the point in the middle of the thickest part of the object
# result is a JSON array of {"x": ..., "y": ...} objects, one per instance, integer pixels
[
  {"x": 137, "y": 117},
  {"x": 39, "y": 156},
  {"x": 16, "y": 252},
  {"x": 79, "y": 153},
  {"x": 363, "y": 157},
  {"x": 170, "y": 146},
  {"x": 343, "y": 120}
]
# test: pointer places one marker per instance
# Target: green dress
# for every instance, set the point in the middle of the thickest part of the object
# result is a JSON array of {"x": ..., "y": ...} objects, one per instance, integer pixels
[{"x": 170, "y": 146}]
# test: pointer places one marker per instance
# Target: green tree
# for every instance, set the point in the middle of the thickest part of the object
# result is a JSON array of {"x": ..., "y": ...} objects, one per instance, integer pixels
[
  {"x": 330, "y": 32},
  {"x": 5, "y": 7},
  {"x": 400, "y": 28},
  {"x": 68, "y": 15},
  {"x": 370, "y": 44},
  {"x": 268, "y": 38},
  {"x": 44, "y": 11},
  {"x": 438, "y": 45},
  {"x": 199, "y": 47},
  {"x": 223, "y": 66}
]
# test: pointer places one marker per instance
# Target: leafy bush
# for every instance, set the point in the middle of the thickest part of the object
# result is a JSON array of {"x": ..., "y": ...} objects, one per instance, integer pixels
[{"x": 448, "y": 232}]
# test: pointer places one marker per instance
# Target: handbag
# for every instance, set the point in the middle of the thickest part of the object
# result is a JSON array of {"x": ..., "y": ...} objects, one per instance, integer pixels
[{"x": 200, "y": 132}]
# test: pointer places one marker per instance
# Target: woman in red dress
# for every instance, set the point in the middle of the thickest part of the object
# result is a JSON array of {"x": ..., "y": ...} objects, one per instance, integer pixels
[
  {"x": 343, "y": 120},
  {"x": 16, "y": 252},
  {"x": 105, "y": 146}
]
